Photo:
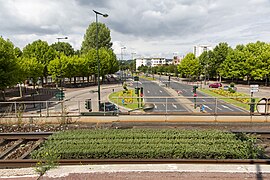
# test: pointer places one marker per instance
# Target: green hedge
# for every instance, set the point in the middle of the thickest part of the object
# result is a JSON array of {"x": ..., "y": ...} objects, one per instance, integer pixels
[{"x": 149, "y": 143}]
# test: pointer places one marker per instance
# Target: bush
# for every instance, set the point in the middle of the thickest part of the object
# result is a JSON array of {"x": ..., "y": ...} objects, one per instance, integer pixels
[{"x": 232, "y": 84}]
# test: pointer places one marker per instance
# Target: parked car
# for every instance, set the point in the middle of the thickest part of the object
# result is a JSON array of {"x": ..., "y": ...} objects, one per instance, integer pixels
[
  {"x": 215, "y": 85},
  {"x": 108, "y": 106}
]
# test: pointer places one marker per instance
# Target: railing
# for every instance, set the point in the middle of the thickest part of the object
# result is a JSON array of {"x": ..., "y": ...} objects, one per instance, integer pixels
[{"x": 139, "y": 105}]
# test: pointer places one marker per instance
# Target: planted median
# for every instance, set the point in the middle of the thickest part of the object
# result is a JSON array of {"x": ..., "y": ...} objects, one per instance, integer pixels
[{"x": 148, "y": 144}]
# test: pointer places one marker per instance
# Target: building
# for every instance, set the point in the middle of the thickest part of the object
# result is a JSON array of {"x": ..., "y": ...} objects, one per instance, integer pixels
[
  {"x": 199, "y": 49},
  {"x": 152, "y": 62}
]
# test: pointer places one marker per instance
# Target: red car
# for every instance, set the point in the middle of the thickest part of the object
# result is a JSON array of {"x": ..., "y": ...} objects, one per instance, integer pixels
[{"x": 215, "y": 85}]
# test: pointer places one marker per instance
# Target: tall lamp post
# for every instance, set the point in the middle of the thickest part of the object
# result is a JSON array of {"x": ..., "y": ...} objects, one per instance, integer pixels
[
  {"x": 104, "y": 15},
  {"x": 61, "y": 95},
  {"x": 122, "y": 61},
  {"x": 132, "y": 56}
]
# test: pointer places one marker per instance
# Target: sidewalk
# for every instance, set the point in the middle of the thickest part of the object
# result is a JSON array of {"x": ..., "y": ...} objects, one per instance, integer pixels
[{"x": 145, "y": 171}]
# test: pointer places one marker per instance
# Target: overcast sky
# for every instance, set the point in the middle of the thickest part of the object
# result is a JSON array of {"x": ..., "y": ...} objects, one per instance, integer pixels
[{"x": 146, "y": 27}]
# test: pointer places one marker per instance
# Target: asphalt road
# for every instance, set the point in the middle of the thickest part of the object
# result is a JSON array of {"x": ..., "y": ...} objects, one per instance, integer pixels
[
  {"x": 162, "y": 100},
  {"x": 211, "y": 105}
]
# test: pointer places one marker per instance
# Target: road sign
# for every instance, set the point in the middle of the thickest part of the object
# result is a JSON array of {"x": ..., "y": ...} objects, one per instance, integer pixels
[{"x": 254, "y": 88}]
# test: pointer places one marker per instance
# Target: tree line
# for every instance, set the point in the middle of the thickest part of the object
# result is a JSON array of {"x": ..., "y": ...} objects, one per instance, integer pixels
[
  {"x": 38, "y": 60},
  {"x": 244, "y": 62}
]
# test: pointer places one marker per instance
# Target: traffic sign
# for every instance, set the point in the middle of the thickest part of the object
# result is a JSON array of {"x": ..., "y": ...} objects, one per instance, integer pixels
[{"x": 254, "y": 88}]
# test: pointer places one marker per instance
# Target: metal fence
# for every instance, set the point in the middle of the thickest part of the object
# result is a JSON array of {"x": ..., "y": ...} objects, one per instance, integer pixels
[{"x": 139, "y": 105}]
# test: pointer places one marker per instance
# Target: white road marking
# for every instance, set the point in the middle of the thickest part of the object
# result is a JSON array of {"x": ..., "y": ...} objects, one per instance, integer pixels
[
  {"x": 226, "y": 107},
  {"x": 155, "y": 106},
  {"x": 163, "y": 105},
  {"x": 219, "y": 108},
  {"x": 208, "y": 107},
  {"x": 203, "y": 100},
  {"x": 174, "y": 106},
  {"x": 148, "y": 91},
  {"x": 184, "y": 90},
  {"x": 160, "y": 91}
]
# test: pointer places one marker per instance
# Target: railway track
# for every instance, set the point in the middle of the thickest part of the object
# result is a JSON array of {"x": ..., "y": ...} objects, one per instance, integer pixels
[
  {"x": 15, "y": 149},
  {"x": 18, "y": 146}
]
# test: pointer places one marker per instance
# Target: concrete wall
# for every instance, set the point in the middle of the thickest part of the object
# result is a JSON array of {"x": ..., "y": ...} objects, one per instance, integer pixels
[{"x": 135, "y": 118}]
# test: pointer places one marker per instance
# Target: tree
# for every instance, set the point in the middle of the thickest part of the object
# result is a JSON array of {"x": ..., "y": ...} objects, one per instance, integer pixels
[
  {"x": 257, "y": 61},
  {"x": 8, "y": 66},
  {"x": 104, "y": 37},
  {"x": 113, "y": 63},
  {"x": 63, "y": 47},
  {"x": 42, "y": 52},
  {"x": 189, "y": 66},
  {"x": 31, "y": 69},
  {"x": 220, "y": 53},
  {"x": 18, "y": 52},
  {"x": 233, "y": 66}
]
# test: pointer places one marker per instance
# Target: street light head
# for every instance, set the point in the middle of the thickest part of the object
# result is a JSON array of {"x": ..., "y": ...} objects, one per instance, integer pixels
[
  {"x": 99, "y": 13},
  {"x": 66, "y": 37}
]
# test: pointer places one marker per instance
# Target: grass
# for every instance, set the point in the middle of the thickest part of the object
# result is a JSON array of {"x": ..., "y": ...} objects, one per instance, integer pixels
[
  {"x": 150, "y": 78},
  {"x": 228, "y": 100},
  {"x": 130, "y": 103}
]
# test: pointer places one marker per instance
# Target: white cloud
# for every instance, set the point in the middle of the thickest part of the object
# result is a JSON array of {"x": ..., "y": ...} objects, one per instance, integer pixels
[{"x": 153, "y": 27}]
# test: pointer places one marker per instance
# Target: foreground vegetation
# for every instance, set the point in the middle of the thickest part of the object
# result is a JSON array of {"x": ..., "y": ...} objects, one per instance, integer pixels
[{"x": 148, "y": 143}]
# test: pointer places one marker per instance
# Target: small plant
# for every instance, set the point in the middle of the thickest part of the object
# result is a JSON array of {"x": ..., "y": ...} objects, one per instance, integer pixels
[
  {"x": 48, "y": 159},
  {"x": 232, "y": 84}
]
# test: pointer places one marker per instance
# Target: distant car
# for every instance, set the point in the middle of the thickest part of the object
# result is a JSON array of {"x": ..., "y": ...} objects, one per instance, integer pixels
[
  {"x": 215, "y": 85},
  {"x": 226, "y": 88},
  {"x": 108, "y": 106}
]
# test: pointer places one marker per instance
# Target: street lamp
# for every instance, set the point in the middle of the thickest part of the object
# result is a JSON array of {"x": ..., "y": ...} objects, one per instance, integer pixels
[
  {"x": 122, "y": 61},
  {"x": 61, "y": 95},
  {"x": 132, "y": 55},
  {"x": 104, "y": 15},
  {"x": 61, "y": 38}
]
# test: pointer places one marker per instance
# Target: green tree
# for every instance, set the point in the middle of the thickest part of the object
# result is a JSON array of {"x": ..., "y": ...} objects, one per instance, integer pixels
[
  {"x": 31, "y": 69},
  {"x": 9, "y": 69},
  {"x": 220, "y": 53},
  {"x": 18, "y": 52},
  {"x": 42, "y": 52},
  {"x": 233, "y": 66},
  {"x": 63, "y": 47},
  {"x": 104, "y": 37},
  {"x": 257, "y": 60},
  {"x": 189, "y": 66}
]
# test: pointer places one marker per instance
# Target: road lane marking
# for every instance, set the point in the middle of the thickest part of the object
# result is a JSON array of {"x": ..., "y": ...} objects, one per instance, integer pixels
[
  {"x": 163, "y": 105},
  {"x": 208, "y": 107},
  {"x": 203, "y": 100},
  {"x": 219, "y": 108},
  {"x": 155, "y": 106},
  {"x": 226, "y": 107},
  {"x": 148, "y": 91},
  {"x": 184, "y": 90},
  {"x": 174, "y": 106},
  {"x": 160, "y": 91}
]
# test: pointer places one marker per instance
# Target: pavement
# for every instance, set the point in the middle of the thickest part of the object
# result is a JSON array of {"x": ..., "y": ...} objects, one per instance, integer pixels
[{"x": 67, "y": 172}]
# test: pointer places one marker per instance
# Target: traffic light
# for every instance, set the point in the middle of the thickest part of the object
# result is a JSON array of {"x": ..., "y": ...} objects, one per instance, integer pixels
[
  {"x": 136, "y": 90},
  {"x": 88, "y": 104},
  {"x": 141, "y": 91},
  {"x": 194, "y": 89}
]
